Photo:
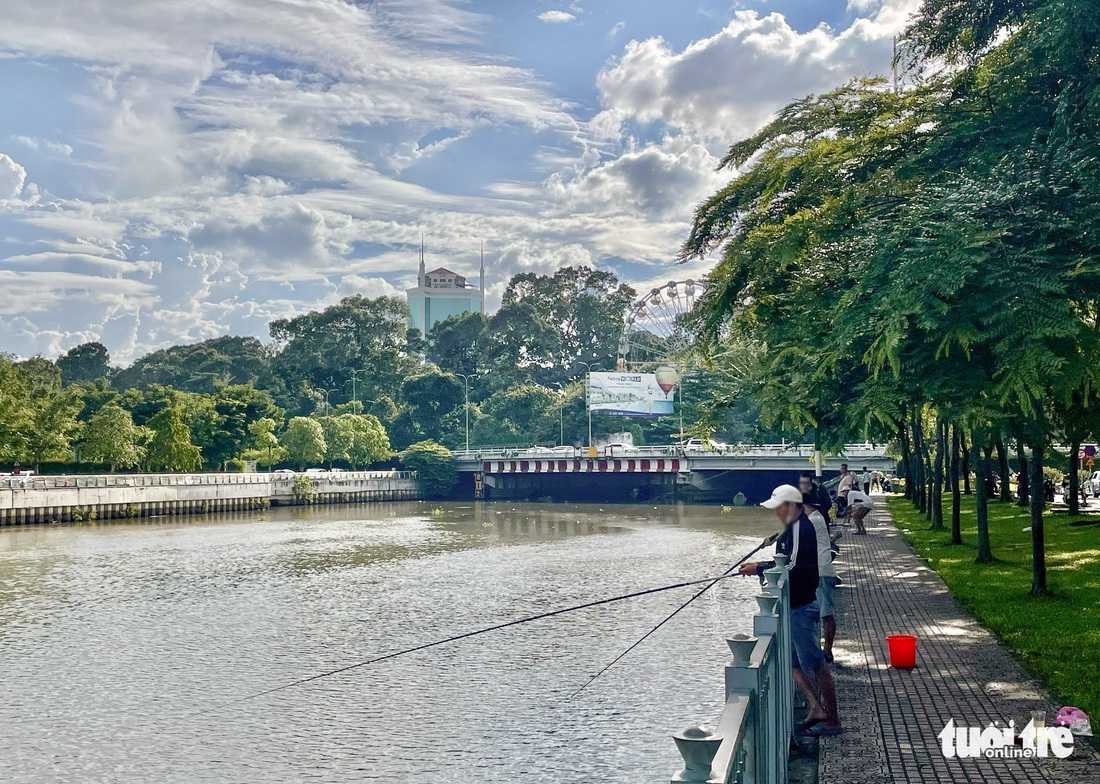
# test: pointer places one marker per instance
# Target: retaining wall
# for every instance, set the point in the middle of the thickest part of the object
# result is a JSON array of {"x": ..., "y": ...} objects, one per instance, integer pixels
[{"x": 76, "y": 498}]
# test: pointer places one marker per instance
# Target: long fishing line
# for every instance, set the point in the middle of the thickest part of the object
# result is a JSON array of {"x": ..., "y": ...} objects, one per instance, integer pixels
[
  {"x": 674, "y": 613},
  {"x": 465, "y": 635}
]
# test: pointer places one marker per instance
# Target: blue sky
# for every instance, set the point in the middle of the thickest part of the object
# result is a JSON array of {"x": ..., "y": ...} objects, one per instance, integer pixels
[{"x": 171, "y": 172}]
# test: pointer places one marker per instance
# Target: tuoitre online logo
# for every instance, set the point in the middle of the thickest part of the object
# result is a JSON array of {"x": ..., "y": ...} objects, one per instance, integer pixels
[{"x": 1000, "y": 742}]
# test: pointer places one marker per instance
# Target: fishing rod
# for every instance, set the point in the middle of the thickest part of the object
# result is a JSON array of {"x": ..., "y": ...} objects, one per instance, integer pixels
[
  {"x": 541, "y": 616},
  {"x": 728, "y": 573}
]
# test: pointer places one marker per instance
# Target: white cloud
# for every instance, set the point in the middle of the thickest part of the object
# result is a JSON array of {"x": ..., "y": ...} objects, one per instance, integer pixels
[
  {"x": 12, "y": 178},
  {"x": 35, "y": 143},
  {"x": 556, "y": 17},
  {"x": 617, "y": 28},
  {"x": 726, "y": 86}
]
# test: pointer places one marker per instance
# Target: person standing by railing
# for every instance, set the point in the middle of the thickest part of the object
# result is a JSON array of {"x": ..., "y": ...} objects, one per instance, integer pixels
[
  {"x": 799, "y": 542},
  {"x": 826, "y": 572}
]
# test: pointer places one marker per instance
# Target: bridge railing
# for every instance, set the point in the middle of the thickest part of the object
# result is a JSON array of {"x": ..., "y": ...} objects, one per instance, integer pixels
[
  {"x": 34, "y": 482},
  {"x": 851, "y": 452},
  {"x": 752, "y": 738}
]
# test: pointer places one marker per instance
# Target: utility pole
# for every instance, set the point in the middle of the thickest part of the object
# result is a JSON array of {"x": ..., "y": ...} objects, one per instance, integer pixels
[
  {"x": 588, "y": 398},
  {"x": 467, "y": 380}
]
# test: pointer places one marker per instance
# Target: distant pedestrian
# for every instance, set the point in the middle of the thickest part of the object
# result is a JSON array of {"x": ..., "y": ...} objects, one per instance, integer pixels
[
  {"x": 842, "y": 489},
  {"x": 859, "y": 506},
  {"x": 822, "y": 500},
  {"x": 865, "y": 480},
  {"x": 799, "y": 542}
]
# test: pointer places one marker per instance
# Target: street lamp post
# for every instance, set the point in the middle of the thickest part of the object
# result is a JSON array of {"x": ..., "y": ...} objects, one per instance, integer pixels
[
  {"x": 561, "y": 416},
  {"x": 354, "y": 384},
  {"x": 328, "y": 406},
  {"x": 467, "y": 407},
  {"x": 588, "y": 398}
]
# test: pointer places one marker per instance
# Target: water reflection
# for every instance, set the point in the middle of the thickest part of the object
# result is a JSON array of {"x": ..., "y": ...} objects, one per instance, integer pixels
[{"x": 112, "y": 636}]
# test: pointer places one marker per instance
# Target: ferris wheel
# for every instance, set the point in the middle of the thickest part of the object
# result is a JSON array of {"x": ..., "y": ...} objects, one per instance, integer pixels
[{"x": 657, "y": 332}]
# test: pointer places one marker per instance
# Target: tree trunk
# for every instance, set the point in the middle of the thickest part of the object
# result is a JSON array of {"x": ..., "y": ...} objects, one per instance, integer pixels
[
  {"x": 937, "y": 476},
  {"x": 906, "y": 461},
  {"x": 1002, "y": 469},
  {"x": 1073, "y": 488},
  {"x": 981, "y": 502},
  {"x": 1038, "y": 546},
  {"x": 956, "y": 498},
  {"x": 967, "y": 489},
  {"x": 1023, "y": 483},
  {"x": 918, "y": 465}
]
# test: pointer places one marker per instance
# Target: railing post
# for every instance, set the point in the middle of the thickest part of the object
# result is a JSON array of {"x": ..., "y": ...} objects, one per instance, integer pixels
[
  {"x": 697, "y": 746},
  {"x": 784, "y": 716}
]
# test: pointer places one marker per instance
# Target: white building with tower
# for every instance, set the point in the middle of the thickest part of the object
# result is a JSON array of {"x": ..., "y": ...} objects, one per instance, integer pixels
[{"x": 442, "y": 293}]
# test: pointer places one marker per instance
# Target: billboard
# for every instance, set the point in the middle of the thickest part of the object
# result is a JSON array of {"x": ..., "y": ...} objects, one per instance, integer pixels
[{"x": 633, "y": 394}]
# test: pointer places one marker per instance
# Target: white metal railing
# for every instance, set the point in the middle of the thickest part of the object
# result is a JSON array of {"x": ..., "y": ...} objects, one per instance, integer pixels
[
  {"x": 751, "y": 741},
  {"x": 34, "y": 482},
  {"x": 850, "y": 451}
]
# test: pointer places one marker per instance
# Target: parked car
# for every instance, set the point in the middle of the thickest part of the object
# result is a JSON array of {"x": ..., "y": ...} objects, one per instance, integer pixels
[
  {"x": 704, "y": 445},
  {"x": 1094, "y": 484}
]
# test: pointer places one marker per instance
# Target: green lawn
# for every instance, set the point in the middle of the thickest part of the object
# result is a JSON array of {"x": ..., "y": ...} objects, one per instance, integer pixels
[{"x": 1057, "y": 638}]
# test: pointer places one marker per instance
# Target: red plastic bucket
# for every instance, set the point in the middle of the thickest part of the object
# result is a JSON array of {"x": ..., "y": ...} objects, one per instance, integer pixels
[{"x": 903, "y": 651}]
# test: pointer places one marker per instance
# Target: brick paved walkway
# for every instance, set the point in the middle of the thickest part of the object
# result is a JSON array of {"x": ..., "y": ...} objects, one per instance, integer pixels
[{"x": 892, "y": 717}]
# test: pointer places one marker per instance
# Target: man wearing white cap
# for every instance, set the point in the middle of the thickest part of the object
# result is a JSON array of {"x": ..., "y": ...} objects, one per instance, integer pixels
[{"x": 799, "y": 543}]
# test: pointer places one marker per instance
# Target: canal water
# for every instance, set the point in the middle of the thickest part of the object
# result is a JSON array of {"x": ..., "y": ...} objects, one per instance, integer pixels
[{"x": 118, "y": 644}]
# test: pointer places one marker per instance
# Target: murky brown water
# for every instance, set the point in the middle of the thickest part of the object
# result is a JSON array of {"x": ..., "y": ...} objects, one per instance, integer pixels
[{"x": 112, "y": 637}]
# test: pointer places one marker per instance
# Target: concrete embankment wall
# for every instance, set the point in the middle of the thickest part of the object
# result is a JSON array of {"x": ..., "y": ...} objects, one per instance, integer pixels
[{"x": 50, "y": 499}]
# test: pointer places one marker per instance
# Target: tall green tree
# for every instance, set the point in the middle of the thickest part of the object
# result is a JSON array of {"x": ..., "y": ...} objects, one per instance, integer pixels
[
  {"x": 86, "y": 362},
  {"x": 111, "y": 437},
  {"x": 304, "y": 441},
  {"x": 170, "y": 447}
]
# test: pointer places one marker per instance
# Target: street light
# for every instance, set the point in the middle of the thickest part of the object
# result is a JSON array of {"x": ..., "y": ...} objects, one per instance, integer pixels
[
  {"x": 561, "y": 415},
  {"x": 467, "y": 380},
  {"x": 588, "y": 399},
  {"x": 354, "y": 380},
  {"x": 328, "y": 406}
]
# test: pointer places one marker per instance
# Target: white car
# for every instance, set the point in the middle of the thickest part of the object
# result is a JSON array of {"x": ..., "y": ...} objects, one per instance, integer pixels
[
  {"x": 284, "y": 472},
  {"x": 1093, "y": 484},
  {"x": 701, "y": 445},
  {"x": 610, "y": 450}
]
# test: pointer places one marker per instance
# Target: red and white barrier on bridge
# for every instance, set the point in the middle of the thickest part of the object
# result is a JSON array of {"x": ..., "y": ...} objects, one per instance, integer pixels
[{"x": 585, "y": 465}]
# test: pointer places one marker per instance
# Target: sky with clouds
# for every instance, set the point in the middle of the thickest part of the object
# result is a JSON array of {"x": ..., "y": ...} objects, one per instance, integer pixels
[{"x": 170, "y": 172}]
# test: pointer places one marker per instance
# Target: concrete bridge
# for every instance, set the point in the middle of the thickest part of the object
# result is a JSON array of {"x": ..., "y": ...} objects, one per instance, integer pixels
[{"x": 662, "y": 472}]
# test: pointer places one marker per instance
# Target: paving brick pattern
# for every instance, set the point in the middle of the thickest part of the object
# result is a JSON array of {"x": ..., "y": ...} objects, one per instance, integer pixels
[{"x": 892, "y": 717}]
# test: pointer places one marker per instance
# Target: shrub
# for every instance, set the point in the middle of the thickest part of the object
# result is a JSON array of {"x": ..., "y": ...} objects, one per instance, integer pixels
[
  {"x": 236, "y": 466},
  {"x": 434, "y": 465}
]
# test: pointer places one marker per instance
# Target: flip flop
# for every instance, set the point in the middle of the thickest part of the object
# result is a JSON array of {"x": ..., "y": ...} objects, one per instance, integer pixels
[{"x": 821, "y": 731}]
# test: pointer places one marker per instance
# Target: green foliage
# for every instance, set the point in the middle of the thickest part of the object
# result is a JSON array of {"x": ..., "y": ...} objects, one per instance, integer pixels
[
  {"x": 170, "y": 448},
  {"x": 263, "y": 444},
  {"x": 236, "y": 466},
  {"x": 201, "y": 367},
  {"x": 84, "y": 363},
  {"x": 111, "y": 437},
  {"x": 304, "y": 441},
  {"x": 304, "y": 490},
  {"x": 434, "y": 465}
]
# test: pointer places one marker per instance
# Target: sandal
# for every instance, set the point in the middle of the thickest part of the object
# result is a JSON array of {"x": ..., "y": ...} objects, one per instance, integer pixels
[{"x": 822, "y": 731}]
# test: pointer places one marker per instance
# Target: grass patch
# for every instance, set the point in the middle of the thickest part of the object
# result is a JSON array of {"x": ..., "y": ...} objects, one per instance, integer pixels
[{"x": 1056, "y": 637}]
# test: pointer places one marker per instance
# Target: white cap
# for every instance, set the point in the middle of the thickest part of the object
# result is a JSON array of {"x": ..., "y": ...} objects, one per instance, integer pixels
[{"x": 782, "y": 495}]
